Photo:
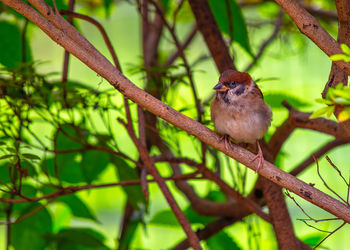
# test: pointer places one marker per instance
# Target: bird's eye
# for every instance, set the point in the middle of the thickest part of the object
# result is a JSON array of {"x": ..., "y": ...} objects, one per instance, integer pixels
[{"x": 233, "y": 84}]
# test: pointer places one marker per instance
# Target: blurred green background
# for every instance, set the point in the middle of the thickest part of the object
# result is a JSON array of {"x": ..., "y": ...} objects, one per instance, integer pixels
[{"x": 293, "y": 66}]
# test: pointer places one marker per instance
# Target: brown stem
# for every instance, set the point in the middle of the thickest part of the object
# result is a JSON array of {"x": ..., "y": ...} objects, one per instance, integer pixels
[
  {"x": 182, "y": 47},
  {"x": 207, "y": 26},
  {"x": 308, "y": 161},
  {"x": 268, "y": 41},
  {"x": 98, "y": 63},
  {"x": 310, "y": 27}
]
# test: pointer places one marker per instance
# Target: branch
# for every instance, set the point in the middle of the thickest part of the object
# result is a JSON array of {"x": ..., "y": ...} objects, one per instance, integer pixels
[
  {"x": 276, "y": 30},
  {"x": 182, "y": 47},
  {"x": 301, "y": 120},
  {"x": 310, "y": 27},
  {"x": 212, "y": 35},
  {"x": 308, "y": 161},
  {"x": 103, "y": 67}
]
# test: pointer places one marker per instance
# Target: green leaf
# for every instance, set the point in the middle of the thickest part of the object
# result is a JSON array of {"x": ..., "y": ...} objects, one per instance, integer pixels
[
  {"x": 345, "y": 48},
  {"x": 30, "y": 167},
  {"x": 313, "y": 239},
  {"x": 222, "y": 241},
  {"x": 275, "y": 99},
  {"x": 4, "y": 174},
  {"x": 59, "y": 3},
  {"x": 67, "y": 138},
  {"x": 10, "y": 45},
  {"x": 68, "y": 169},
  {"x": 78, "y": 239},
  {"x": 344, "y": 115},
  {"x": 338, "y": 57},
  {"x": 323, "y": 101},
  {"x": 215, "y": 195},
  {"x": 193, "y": 217},
  {"x": 28, "y": 234},
  {"x": 233, "y": 24},
  {"x": 342, "y": 93},
  {"x": 126, "y": 172},
  {"x": 93, "y": 164},
  {"x": 7, "y": 156},
  {"x": 320, "y": 112},
  {"x": 330, "y": 111},
  {"x": 341, "y": 101},
  {"x": 107, "y": 6},
  {"x": 31, "y": 156},
  {"x": 164, "y": 217},
  {"x": 136, "y": 219},
  {"x": 77, "y": 206}
]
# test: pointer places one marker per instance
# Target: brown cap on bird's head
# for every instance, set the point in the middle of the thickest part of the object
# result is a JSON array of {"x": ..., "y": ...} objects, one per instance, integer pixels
[{"x": 232, "y": 75}]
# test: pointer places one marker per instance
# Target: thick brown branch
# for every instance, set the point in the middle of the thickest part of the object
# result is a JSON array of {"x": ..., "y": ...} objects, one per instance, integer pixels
[
  {"x": 301, "y": 120},
  {"x": 207, "y": 26},
  {"x": 310, "y": 27},
  {"x": 104, "y": 68}
]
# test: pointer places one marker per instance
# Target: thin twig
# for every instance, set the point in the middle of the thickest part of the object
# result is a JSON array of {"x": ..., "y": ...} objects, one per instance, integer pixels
[
  {"x": 268, "y": 41},
  {"x": 325, "y": 183}
]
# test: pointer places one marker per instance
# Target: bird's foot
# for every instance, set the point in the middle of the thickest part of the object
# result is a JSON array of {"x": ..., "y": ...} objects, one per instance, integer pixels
[
  {"x": 227, "y": 141},
  {"x": 260, "y": 158}
]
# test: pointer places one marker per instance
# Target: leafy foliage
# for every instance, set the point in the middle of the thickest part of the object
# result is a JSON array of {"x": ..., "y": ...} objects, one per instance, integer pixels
[
  {"x": 60, "y": 137},
  {"x": 336, "y": 97},
  {"x": 231, "y": 22}
]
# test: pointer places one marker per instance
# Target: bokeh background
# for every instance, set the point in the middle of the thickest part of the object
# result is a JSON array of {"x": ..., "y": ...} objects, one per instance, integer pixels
[{"x": 291, "y": 65}]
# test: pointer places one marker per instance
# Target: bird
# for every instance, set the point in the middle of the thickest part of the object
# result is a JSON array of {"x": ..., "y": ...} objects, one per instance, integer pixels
[{"x": 239, "y": 111}]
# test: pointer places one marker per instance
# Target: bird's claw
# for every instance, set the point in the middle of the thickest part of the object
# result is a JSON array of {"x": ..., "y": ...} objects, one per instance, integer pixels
[
  {"x": 227, "y": 142},
  {"x": 260, "y": 158}
]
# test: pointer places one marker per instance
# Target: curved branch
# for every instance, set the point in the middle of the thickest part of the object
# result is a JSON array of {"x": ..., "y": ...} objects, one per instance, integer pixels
[
  {"x": 309, "y": 26},
  {"x": 103, "y": 67},
  {"x": 207, "y": 26}
]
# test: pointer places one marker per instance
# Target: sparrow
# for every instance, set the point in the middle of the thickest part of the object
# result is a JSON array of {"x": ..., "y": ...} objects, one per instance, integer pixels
[{"x": 239, "y": 111}]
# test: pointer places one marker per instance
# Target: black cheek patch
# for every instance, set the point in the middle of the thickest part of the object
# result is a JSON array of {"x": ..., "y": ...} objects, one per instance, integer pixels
[{"x": 240, "y": 90}]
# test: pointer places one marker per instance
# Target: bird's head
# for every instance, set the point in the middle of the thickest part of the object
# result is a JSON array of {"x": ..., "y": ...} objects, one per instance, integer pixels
[{"x": 233, "y": 85}]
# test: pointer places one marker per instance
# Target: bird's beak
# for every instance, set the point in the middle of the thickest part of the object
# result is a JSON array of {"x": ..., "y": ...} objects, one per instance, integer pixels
[{"x": 220, "y": 87}]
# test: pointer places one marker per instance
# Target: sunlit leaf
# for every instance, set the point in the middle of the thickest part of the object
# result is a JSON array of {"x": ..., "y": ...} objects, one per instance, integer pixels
[
  {"x": 330, "y": 111},
  {"x": 344, "y": 115},
  {"x": 232, "y": 23},
  {"x": 339, "y": 57},
  {"x": 341, "y": 101},
  {"x": 323, "y": 101},
  {"x": 345, "y": 48},
  {"x": 320, "y": 112}
]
